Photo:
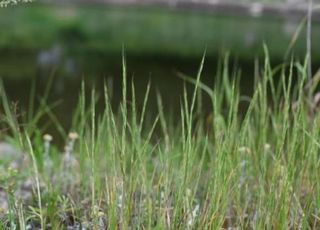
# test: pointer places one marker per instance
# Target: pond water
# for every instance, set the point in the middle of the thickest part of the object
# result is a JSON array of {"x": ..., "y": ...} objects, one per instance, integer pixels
[
  {"x": 70, "y": 45},
  {"x": 161, "y": 72}
]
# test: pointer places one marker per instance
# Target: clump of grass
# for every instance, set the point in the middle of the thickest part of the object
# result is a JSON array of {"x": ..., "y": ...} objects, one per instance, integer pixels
[{"x": 253, "y": 170}]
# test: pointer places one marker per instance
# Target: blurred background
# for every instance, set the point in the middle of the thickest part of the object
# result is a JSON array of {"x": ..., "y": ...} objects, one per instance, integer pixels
[{"x": 58, "y": 44}]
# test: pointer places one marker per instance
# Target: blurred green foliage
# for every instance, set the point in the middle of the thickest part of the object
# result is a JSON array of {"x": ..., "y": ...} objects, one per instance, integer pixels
[
  {"x": 97, "y": 32},
  {"x": 145, "y": 31}
]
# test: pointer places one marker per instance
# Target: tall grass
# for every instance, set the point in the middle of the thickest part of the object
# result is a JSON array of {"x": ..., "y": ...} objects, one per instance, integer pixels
[{"x": 255, "y": 170}]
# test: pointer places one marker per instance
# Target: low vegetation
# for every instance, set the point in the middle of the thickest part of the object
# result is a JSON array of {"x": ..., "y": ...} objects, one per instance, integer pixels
[{"x": 255, "y": 169}]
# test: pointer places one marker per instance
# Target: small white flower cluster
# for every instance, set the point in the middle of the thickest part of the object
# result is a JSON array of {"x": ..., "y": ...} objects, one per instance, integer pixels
[
  {"x": 47, "y": 160},
  {"x": 68, "y": 158},
  {"x": 69, "y": 163},
  {"x": 5, "y": 3}
]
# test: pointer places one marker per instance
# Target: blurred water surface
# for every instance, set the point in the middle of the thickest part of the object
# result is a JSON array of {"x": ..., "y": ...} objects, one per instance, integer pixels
[{"x": 70, "y": 44}]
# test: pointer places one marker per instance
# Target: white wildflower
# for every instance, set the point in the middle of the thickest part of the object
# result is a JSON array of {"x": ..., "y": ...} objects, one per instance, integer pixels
[{"x": 47, "y": 160}]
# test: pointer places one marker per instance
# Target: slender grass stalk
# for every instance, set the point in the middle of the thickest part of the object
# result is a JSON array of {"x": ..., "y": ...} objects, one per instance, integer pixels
[
  {"x": 93, "y": 149},
  {"x": 309, "y": 39},
  {"x": 36, "y": 175},
  {"x": 10, "y": 117}
]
